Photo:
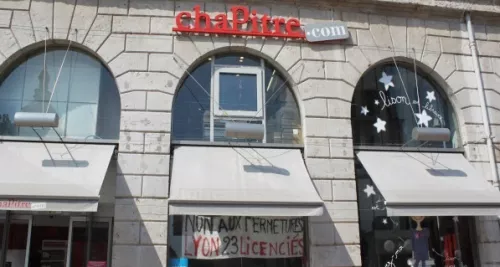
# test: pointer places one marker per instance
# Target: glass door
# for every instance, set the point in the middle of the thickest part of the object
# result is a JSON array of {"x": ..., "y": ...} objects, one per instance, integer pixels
[
  {"x": 18, "y": 241},
  {"x": 89, "y": 242}
]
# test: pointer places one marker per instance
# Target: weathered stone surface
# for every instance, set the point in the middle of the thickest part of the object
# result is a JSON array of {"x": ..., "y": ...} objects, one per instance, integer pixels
[
  {"x": 145, "y": 121},
  {"x": 397, "y": 29},
  {"x": 445, "y": 65},
  {"x": 330, "y": 168},
  {"x": 431, "y": 53},
  {"x": 305, "y": 70},
  {"x": 115, "y": 7},
  {"x": 64, "y": 10},
  {"x": 357, "y": 58},
  {"x": 322, "y": 234},
  {"x": 341, "y": 148},
  {"x": 15, "y": 4},
  {"x": 344, "y": 190},
  {"x": 416, "y": 34},
  {"x": 157, "y": 143},
  {"x": 323, "y": 52},
  {"x": 317, "y": 148},
  {"x": 493, "y": 33},
  {"x": 133, "y": 256},
  {"x": 165, "y": 62},
  {"x": 41, "y": 13},
  {"x": 129, "y": 61},
  {"x": 158, "y": 101},
  {"x": 147, "y": 209},
  {"x": 126, "y": 233},
  {"x": 356, "y": 20},
  {"x": 289, "y": 54},
  {"x": 151, "y": 8},
  {"x": 126, "y": 24},
  {"x": 135, "y": 100},
  {"x": 24, "y": 30},
  {"x": 83, "y": 16},
  {"x": 338, "y": 211},
  {"x": 186, "y": 50},
  {"x": 5, "y": 18},
  {"x": 439, "y": 28},
  {"x": 466, "y": 98},
  {"x": 324, "y": 188},
  {"x": 164, "y": 82},
  {"x": 162, "y": 25},
  {"x": 128, "y": 185},
  {"x": 338, "y": 108},
  {"x": 272, "y": 47},
  {"x": 113, "y": 46},
  {"x": 311, "y": 15},
  {"x": 322, "y": 127},
  {"x": 8, "y": 44},
  {"x": 131, "y": 142},
  {"x": 154, "y": 233},
  {"x": 315, "y": 107},
  {"x": 487, "y": 48},
  {"x": 342, "y": 71},
  {"x": 313, "y": 88},
  {"x": 143, "y": 164},
  {"x": 455, "y": 46},
  {"x": 459, "y": 80},
  {"x": 380, "y": 31},
  {"x": 100, "y": 30},
  {"x": 155, "y": 186}
]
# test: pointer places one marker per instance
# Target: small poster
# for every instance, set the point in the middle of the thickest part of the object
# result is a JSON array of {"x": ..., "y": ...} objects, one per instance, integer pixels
[
  {"x": 219, "y": 237},
  {"x": 96, "y": 264}
]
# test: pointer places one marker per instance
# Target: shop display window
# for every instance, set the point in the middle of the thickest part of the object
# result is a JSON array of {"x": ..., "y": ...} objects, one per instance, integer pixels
[
  {"x": 85, "y": 96},
  {"x": 209, "y": 241},
  {"x": 389, "y": 101},
  {"x": 386, "y": 107},
  {"x": 244, "y": 89}
]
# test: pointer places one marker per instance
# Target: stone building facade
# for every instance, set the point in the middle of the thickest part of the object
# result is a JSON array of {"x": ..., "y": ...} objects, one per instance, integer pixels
[{"x": 134, "y": 39}]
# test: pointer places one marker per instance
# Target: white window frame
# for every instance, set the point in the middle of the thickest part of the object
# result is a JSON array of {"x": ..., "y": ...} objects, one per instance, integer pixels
[{"x": 238, "y": 113}]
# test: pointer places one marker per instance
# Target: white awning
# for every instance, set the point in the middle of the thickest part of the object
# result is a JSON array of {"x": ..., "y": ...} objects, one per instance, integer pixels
[
  {"x": 430, "y": 184},
  {"x": 52, "y": 177},
  {"x": 241, "y": 182}
]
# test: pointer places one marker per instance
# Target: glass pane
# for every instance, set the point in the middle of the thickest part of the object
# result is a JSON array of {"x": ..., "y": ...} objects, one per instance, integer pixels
[
  {"x": 99, "y": 244},
  {"x": 2, "y": 225},
  {"x": 237, "y": 60},
  {"x": 18, "y": 239},
  {"x": 78, "y": 245},
  {"x": 78, "y": 113},
  {"x": 238, "y": 92},
  {"x": 85, "y": 79},
  {"x": 235, "y": 241}
]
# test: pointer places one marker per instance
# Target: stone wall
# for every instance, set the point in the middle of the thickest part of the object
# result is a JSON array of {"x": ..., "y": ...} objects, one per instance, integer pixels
[{"x": 134, "y": 38}]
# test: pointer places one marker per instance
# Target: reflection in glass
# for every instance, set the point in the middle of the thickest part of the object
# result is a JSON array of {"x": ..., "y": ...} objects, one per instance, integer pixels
[
  {"x": 83, "y": 86},
  {"x": 192, "y": 108},
  {"x": 399, "y": 106},
  {"x": 17, "y": 241},
  {"x": 78, "y": 244},
  {"x": 99, "y": 242}
]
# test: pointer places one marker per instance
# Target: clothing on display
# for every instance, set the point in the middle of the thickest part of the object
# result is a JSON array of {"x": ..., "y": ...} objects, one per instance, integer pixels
[{"x": 420, "y": 245}]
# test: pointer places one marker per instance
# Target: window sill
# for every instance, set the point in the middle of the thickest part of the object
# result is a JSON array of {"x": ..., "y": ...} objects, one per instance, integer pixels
[{"x": 234, "y": 144}]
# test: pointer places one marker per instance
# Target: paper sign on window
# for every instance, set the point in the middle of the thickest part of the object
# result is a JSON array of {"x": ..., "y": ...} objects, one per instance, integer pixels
[{"x": 218, "y": 237}]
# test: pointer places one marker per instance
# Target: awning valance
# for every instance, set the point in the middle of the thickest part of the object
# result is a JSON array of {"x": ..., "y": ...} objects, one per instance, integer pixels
[
  {"x": 430, "y": 184},
  {"x": 241, "y": 182},
  {"x": 52, "y": 176}
]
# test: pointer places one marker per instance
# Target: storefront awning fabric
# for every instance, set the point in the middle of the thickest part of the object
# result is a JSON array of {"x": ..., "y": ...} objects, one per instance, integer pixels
[
  {"x": 233, "y": 181},
  {"x": 51, "y": 176},
  {"x": 430, "y": 184}
]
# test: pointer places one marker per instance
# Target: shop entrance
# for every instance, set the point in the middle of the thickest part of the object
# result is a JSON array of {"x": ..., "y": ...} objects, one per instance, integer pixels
[{"x": 54, "y": 241}]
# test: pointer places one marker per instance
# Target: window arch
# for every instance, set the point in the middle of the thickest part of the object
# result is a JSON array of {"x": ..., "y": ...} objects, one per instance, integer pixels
[
  {"x": 85, "y": 97},
  {"x": 389, "y": 101},
  {"x": 235, "y": 87}
]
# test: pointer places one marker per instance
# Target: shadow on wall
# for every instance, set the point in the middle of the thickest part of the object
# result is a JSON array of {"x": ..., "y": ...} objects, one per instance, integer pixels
[
  {"x": 334, "y": 236},
  {"x": 140, "y": 225}
]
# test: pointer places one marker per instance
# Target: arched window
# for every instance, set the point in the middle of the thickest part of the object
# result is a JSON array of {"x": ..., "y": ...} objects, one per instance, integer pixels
[
  {"x": 85, "y": 96},
  {"x": 235, "y": 87},
  {"x": 390, "y": 101}
]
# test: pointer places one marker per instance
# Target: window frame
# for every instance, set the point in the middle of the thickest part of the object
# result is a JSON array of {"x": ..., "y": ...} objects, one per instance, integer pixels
[{"x": 218, "y": 112}]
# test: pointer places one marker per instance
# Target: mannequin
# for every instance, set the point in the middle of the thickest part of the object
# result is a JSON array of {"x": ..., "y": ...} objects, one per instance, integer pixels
[{"x": 420, "y": 242}]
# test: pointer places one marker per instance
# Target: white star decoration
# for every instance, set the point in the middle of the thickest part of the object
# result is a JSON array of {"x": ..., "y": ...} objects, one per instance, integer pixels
[
  {"x": 380, "y": 125},
  {"x": 430, "y": 96},
  {"x": 384, "y": 220},
  {"x": 386, "y": 80},
  {"x": 455, "y": 218},
  {"x": 376, "y": 102},
  {"x": 369, "y": 190},
  {"x": 364, "y": 110},
  {"x": 423, "y": 118}
]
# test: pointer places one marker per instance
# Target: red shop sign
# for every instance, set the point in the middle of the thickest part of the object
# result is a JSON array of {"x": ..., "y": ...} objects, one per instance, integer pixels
[{"x": 241, "y": 16}]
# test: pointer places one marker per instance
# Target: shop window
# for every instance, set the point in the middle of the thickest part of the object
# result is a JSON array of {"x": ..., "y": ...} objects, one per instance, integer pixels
[
  {"x": 386, "y": 107},
  {"x": 209, "y": 241},
  {"x": 385, "y": 110},
  {"x": 85, "y": 96},
  {"x": 235, "y": 87}
]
